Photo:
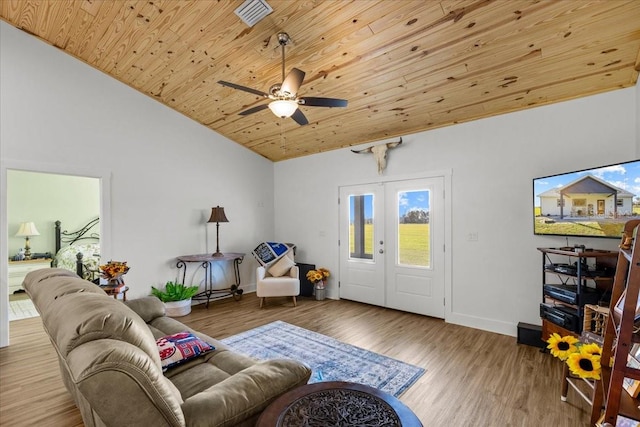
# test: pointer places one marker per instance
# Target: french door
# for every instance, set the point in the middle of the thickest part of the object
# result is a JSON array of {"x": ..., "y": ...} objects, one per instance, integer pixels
[{"x": 392, "y": 245}]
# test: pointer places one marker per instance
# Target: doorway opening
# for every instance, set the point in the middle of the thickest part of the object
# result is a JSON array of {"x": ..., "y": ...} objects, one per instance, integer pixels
[
  {"x": 38, "y": 200},
  {"x": 25, "y": 199}
]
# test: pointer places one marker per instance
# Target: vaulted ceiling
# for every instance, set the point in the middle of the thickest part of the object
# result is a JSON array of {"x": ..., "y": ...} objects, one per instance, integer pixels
[{"x": 404, "y": 66}]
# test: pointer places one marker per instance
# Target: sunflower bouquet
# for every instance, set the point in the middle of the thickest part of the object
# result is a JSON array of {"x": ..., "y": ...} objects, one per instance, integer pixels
[
  {"x": 582, "y": 359},
  {"x": 113, "y": 270},
  {"x": 318, "y": 277}
]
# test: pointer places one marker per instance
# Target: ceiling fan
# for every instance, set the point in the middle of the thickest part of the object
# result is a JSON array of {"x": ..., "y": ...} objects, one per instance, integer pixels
[{"x": 284, "y": 100}]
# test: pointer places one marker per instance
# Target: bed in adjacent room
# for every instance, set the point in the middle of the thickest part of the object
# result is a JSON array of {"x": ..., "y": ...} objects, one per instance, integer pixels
[{"x": 79, "y": 250}]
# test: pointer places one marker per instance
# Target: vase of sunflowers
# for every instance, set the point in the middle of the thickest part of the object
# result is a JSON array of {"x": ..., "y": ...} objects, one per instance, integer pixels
[
  {"x": 318, "y": 277},
  {"x": 112, "y": 272},
  {"x": 583, "y": 359}
]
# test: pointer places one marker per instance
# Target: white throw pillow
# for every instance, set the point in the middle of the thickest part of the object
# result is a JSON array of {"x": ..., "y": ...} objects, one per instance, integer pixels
[{"x": 281, "y": 267}]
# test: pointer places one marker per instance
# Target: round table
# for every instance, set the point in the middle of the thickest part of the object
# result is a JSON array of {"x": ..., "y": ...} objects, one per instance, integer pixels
[{"x": 337, "y": 403}]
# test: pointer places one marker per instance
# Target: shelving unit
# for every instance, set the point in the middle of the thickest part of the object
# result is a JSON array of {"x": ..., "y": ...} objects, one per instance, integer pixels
[
  {"x": 562, "y": 313},
  {"x": 619, "y": 337},
  {"x": 592, "y": 332}
]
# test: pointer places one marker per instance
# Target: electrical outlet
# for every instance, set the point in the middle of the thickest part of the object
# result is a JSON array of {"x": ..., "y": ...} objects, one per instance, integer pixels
[{"x": 472, "y": 237}]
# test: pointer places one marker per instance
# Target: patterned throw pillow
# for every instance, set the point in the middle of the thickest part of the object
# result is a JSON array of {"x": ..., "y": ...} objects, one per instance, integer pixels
[
  {"x": 179, "y": 348},
  {"x": 269, "y": 252}
]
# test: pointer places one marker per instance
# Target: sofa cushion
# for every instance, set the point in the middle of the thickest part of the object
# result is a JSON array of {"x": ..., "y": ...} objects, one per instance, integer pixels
[
  {"x": 46, "y": 285},
  {"x": 198, "y": 378},
  {"x": 75, "y": 319},
  {"x": 178, "y": 348},
  {"x": 43, "y": 274},
  {"x": 281, "y": 267},
  {"x": 244, "y": 394},
  {"x": 161, "y": 326}
]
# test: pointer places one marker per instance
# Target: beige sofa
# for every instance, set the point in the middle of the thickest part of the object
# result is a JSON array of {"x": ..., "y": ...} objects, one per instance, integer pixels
[{"x": 111, "y": 365}]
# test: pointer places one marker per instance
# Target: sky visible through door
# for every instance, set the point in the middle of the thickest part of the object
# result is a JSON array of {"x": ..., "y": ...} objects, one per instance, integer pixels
[{"x": 409, "y": 201}]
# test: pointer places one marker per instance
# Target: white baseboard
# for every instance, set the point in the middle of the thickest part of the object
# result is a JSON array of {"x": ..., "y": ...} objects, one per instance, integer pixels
[{"x": 491, "y": 325}]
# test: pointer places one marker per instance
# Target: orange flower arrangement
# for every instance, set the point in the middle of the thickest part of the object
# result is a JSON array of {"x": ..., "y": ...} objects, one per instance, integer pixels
[{"x": 113, "y": 270}]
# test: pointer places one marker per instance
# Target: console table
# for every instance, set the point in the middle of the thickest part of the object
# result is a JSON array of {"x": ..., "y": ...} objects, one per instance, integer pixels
[{"x": 204, "y": 261}]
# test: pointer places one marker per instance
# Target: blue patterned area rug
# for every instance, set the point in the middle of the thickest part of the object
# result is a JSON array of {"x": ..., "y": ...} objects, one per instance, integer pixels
[{"x": 330, "y": 359}]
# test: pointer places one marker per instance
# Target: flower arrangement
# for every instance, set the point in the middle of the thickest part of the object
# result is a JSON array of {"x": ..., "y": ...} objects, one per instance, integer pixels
[
  {"x": 583, "y": 359},
  {"x": 318, "y": 276},
  {"x": 114, "y": 270}
]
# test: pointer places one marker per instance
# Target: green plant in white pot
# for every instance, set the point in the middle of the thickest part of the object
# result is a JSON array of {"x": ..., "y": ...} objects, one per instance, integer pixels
[{"x": 176, "y": 298}]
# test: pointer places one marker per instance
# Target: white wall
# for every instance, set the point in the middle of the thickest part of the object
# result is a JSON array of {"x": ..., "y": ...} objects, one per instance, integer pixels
[
  {"x": 166, "y": 170},
  {"x": 496, "y": 281}
]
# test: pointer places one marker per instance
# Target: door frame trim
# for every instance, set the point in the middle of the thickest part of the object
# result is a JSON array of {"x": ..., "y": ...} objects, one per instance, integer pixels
[
  {"x": 447, "y": 176},
  {"x": 104, "y": 175}
]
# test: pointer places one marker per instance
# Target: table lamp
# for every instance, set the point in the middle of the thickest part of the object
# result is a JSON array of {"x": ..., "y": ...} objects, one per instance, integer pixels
[
  {"x": 218, "y": 216},
  {"x": 26, "y": 230}
]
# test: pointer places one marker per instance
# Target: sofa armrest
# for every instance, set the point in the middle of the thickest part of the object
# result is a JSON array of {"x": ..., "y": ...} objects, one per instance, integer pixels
[
  {"x": 148, "y": 308},
  {"x": 245, "y": 394}
]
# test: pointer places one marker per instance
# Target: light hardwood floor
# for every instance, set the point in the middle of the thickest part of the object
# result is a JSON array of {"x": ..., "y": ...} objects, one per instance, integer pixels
[{"x": 473, "y": 378}]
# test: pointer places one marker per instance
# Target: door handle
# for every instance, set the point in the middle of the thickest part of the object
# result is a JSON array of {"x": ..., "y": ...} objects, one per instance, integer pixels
[{"x": 381, "y": 251}]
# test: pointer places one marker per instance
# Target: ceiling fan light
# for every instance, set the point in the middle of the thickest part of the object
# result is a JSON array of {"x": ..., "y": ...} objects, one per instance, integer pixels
[{"x": 283, "y": 108}]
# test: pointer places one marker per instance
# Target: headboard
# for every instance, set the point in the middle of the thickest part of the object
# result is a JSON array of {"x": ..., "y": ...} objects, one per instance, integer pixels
[{"x": 85, "y": 234}]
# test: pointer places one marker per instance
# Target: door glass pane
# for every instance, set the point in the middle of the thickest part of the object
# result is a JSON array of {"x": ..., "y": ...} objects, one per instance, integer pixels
[
  {"x": 414, "y": 243},
  {"x": 361, "y": 226}
]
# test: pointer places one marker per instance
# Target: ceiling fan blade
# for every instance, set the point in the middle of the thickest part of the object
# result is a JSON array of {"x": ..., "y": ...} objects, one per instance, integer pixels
[
  {"x": 300, "y": 118},
  {"x": 292, "y": 82},
  {"x": 244, "y": 88},
  {"x": 254, "y": 109},
  {"x": 312, "y": 101}
]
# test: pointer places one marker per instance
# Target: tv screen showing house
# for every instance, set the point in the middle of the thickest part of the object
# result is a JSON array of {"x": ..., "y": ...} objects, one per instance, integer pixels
[{"x": 589, "y": 203}]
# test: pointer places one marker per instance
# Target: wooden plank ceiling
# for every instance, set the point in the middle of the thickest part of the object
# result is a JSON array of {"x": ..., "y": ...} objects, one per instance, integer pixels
[{"x": 404, "y": 66}]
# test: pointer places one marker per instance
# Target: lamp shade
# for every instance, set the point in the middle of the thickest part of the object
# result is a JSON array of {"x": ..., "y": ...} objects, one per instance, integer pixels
[
  {"x": 283, "y": 108},
  {"x": 27, "y": 229},
  {"x": 217, "y": 215}
]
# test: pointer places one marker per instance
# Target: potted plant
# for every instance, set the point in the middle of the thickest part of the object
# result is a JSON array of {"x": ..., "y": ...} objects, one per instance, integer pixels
[{"x": 176, "y": 298}]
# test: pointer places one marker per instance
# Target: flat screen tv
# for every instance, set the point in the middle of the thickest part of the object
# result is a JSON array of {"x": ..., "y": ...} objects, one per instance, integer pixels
[{"x": 587, "y": 203}]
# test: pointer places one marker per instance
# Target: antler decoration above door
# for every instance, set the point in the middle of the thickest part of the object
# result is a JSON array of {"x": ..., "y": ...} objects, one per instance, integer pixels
[{"x": 379, "y": 153}]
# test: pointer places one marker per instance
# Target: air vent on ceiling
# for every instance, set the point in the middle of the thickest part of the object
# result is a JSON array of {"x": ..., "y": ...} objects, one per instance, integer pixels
[{"x": 252, "y": 11}]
